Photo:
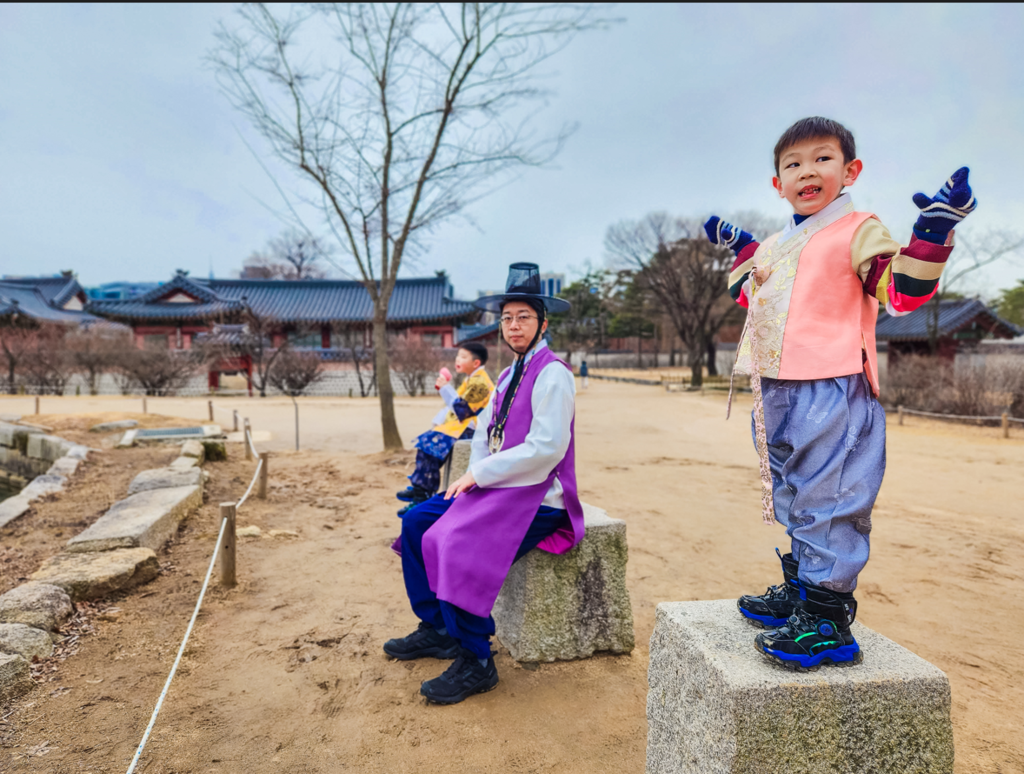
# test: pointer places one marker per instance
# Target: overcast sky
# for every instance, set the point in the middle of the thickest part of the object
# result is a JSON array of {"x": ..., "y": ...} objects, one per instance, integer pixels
[{"x": 120, "y": 159}]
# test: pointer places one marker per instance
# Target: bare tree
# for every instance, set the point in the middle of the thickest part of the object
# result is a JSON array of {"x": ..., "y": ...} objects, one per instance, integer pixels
[
  {"x": 49, "y": 366},
  {"x": 158, "y": 370},
  {"x": 972, "y": 252},
  {"x": 414, "y": 362},
  {"x": 351, "y": 338},
  {"x": 95, "y": 350},
  {"x": 416, "y": 112},
  {"x": 294, "y": 255},
  {"x": 294, "y": 372},
  {"x": 18, "y": 334}
]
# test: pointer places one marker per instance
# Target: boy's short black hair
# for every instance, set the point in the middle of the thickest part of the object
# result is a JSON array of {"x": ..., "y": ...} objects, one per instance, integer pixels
[
  {"x": 809, "y": 129},
  {"x": 477, "y": 350}
]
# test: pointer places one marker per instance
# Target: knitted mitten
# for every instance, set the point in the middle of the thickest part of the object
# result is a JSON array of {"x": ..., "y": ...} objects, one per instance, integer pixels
[
  {"x": 726, "y": 234},
  {"x": 940, "y": 214}
]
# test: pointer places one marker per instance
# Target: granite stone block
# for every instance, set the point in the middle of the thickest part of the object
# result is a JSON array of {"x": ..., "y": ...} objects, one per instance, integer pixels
[{"x": 147, "y": 520}]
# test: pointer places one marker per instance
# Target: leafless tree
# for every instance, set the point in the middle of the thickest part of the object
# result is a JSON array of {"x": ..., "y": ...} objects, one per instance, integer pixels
[
  {"x": 94, "y": 350},
  {"x": 49, "y": 366},
  {"x": 686, "y": 273},
  {"x": 18, "y": 334},
  {"x": 351, "y": 338},
  {"x": 294, "y": 372},
  {"x": 294, "y": 255},
  {"x": 973, "y": 251},
  {"x": 415, "y": 112},
  {"x": 414, "y": 361},
  {"x": 157, "y": 370}
]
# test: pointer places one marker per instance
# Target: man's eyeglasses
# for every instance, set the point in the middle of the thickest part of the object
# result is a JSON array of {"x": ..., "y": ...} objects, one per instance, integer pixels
[{"x": 522, "y": 319}]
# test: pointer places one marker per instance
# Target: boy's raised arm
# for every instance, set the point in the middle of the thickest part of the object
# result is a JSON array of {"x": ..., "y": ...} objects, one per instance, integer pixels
[
  {"x": 905, "y": 278},
  {"x": 743, "y": 246}
]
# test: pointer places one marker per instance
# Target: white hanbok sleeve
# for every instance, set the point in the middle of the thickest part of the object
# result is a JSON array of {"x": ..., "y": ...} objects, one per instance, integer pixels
[
  {"x": 553, "y": 402},
  {"x": 479, "y": 448}
]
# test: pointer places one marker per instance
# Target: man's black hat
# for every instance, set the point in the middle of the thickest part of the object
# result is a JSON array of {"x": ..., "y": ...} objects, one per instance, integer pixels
[{"x": 523, "y": 285}]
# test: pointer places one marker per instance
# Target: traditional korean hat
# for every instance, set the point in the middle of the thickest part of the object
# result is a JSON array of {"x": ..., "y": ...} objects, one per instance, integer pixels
[{"x": 523, "y": 284}]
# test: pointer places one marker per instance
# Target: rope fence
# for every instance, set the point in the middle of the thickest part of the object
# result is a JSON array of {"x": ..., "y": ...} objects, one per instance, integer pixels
[
  {"x": 225, "y": 548},
  {"x": 1004, "y": 419}
]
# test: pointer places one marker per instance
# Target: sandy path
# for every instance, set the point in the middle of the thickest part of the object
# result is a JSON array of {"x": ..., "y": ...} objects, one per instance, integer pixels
[{"x": 285, "y": 673}]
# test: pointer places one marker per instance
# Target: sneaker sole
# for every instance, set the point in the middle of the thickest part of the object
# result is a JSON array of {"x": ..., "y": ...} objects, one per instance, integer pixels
[
  {"x": 761, "y": 621},
  {"x": 462, "y": 696},
  {"x": 795, "y": 663},
  {"x": 438, "y": 653}
]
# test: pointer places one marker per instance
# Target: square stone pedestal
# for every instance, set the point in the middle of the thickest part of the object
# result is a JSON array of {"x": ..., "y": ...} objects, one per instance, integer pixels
[{"x": 717, "y": 706}]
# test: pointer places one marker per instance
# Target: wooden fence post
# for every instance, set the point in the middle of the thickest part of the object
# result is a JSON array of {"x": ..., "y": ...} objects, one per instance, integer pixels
[
  {"x": 1006, "y": 425},
  {"x": 899, "y": 410},
  {"x": 37, "y": 405},
  {"x": 145, "y": 410},
  {"x": 261, "y": 490},
  {"x": 209, "y": 405},
  {"x": 245, "y": 440},
  {"x": 234, "y": 417},
  {"x": 227, "y": 546}
]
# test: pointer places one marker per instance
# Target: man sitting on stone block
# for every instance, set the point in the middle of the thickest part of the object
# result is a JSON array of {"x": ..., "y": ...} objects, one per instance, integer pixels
[{"x": 518, "y": 494}]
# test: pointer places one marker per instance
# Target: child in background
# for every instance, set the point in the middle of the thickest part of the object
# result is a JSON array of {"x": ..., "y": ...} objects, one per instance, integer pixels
[
  {"x": 454, "y": 422},
  {"x": 812, "y": 294}
]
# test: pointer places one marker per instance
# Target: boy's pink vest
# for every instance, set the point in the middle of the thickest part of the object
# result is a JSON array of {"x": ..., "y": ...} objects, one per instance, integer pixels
[
  {"x": 828, "y": 321},
  {"x": 831, "y": 319}
]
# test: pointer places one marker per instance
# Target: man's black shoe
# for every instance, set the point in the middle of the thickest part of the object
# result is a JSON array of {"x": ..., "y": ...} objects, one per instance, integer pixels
[
  {"x": 461, "y": 680},
  {"x": 425, "y": 642},
  {"x": 773, "y": 608}
]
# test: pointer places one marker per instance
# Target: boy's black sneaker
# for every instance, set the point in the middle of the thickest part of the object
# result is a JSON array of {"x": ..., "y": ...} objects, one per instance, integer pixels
[
  {"x": 425, "y": 642},
  {"x": 462, "y": 679},
  {"x": 413, "y": 494},
  {"x": 817, "y": 633},
  {"x": 773, "y": 608}
]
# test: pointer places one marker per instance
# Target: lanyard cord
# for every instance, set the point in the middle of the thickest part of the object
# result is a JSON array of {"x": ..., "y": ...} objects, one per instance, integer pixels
[{"x": 510, "y": 395}]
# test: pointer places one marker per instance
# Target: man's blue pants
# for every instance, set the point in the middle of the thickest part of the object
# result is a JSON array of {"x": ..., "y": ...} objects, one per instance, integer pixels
[
  {"x": 472, "y": 631},
  {"x": 826, "y": 448}
]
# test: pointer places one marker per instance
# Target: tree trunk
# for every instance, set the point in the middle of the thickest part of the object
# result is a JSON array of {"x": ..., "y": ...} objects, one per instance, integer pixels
[
  {"x": 389, "y": 427},
  {"x": 639, "y": 352},
  {"x": 696, "y": 358},
  {"x": 712, "y": 353}
]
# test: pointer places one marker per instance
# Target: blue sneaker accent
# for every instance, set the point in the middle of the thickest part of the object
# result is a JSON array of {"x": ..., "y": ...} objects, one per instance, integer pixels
[
  {"x": 767, "y": 620},
  {"x": 840, "y": 655}
]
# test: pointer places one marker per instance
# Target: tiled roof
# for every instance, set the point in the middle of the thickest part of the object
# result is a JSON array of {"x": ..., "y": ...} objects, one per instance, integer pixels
[
  {"x": 290, "y": 301},
  {"x": 55, "y": 290},
  {"x": 476, "y": 332},
  {"x": 953, "y": 317},
  {"x": 32, "y": 301}
]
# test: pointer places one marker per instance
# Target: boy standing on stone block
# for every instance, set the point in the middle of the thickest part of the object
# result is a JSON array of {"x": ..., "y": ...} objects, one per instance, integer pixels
[
  {"x": 812, "y": 294},
  {"x": 454, "y": 422}
]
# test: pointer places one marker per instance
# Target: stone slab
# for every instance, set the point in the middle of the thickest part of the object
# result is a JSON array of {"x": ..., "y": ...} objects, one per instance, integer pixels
[
  {"x": 165, "y": 478},
  {"x": 717, "y": 706},
  {"x": 15, "y": 677},
  {"x": 40, "y": 486},
  {"x": 109, "y": 427},
  {"x": 94, "y": 575},
  {"x": 145, "y": 520},
  {"x": 65, "y": 466},
  {"x": 183, "y": 463},
  {"x": 216, "y": 451},
  {"x": 13, "y": 508},
  {"x": 193, "y": 448},
  {"x": 77, "y": 451},
  {"x": 36, "y": 604},
  {"x": 46, "y": 447},
  {"x": 25, "y": 641},
  {"x": 16, "y": 436},
  {"x": 569, "y": 606}
]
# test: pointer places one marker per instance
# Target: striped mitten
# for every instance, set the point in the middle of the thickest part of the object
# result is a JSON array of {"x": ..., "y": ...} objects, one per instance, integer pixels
[
  {"x": 940, "y": 214},
  {"x": 726, "y": 234}
]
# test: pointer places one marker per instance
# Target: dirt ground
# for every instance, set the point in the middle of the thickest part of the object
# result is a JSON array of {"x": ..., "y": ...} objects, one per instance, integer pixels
[{"x": 284, "y": 673}]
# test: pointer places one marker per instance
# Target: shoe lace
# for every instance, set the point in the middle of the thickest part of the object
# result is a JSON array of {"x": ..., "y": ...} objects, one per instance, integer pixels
[
  {"x": 776, "y": 592},
  {"x": 454, "y": 668}
]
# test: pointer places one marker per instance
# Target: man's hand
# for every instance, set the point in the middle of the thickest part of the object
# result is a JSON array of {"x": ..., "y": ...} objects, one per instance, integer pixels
[
  {"x": 464, "y": 484},
  {"x": 726, "y": 234},
  {"x": 441, "y": 382},
  {"x": 942, "y": 212}
]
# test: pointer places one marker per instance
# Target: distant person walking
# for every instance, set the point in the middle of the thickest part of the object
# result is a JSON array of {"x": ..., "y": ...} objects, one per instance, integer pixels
[{"x": 584, "y": 373}]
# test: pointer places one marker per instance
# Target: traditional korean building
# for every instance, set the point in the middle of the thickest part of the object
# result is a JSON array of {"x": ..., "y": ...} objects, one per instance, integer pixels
[
  {"x": 962, "y": 325},
  {"x": 57, "y": 299},
  {"x": 307, "y": 313}
]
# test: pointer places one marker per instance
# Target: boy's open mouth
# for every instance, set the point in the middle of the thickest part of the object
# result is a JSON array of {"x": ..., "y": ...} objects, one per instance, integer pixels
[{"x": 810, "y": 190}]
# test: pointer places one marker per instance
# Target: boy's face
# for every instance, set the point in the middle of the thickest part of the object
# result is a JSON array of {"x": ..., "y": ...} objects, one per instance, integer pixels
[
  {"x": 812, "y": 174},
  {"x": 466, "y": 362}
]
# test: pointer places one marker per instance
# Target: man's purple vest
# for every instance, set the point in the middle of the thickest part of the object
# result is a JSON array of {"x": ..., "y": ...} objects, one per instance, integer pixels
[{"x": 469, "y": 550}]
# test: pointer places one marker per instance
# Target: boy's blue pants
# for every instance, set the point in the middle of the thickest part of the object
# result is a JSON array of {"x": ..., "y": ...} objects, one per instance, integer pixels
[
  {"x": 826, "y": 447},
  {"x": 472, "y": 631}
]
